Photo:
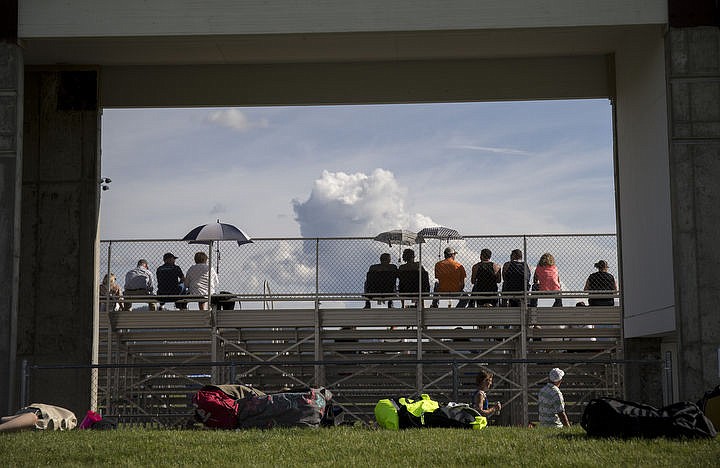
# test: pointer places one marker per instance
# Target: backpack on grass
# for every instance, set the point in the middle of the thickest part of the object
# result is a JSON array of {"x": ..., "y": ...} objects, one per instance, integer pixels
[
  {"x": 291, "y": 409},
  {"x": 405, "y": 413},
  {"x": 709, "y": 404},
  {"x": 216, "y": 406},
  {"x": 608, "y": 417}
]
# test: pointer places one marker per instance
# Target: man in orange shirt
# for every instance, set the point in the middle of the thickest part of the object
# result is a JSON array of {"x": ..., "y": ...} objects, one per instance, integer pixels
[{"x": 450, "y": 275}]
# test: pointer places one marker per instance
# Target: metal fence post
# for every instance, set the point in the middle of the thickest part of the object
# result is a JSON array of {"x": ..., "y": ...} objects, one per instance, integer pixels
[
  {"x": 523, "y": 345},
  {"x": 24, "y": 383},
  {"x": 455, "y": 380}
]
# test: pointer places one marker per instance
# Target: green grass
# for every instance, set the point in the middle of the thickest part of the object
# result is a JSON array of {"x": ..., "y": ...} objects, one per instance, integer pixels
[{"x": 340, "y": 447}]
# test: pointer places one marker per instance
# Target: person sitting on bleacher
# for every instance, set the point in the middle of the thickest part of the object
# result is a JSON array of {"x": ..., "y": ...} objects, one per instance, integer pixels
[
  {"x": 601, "y": 280},
  {"x": 139, "y": 282},
  {"x": 197, "y": 281},
  {"x": 171, "y": 280},
  {"x": 515, "y": 277},
  {"x": 381, "y": 283}
]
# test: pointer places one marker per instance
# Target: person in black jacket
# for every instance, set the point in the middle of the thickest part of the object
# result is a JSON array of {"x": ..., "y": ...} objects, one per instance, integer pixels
[
  {"x": 601, "y": 280},
  {"x": 516, "y": 277}
]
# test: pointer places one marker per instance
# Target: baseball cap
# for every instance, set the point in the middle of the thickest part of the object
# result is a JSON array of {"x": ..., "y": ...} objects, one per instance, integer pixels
[
  {"x": 556, "y": 375},
  {"x": 169, "y": 255}
]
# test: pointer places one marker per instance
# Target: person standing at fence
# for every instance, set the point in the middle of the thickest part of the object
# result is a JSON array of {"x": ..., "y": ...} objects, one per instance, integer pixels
[
  {"x": 515, "y": 277},
  {"x": 484, "y": 381},
  {"x": 139, "y": 282},
  {"x": 551, "y": 405},
  {"x": 450, "y": 275},
  {"x": 40, "y": 417},
  {"x": 601, "y": 280},
  {"x": 196, "y": 279},
  {"x": 110, "y": 294},
  {"x": 546, "y": 277},
  {"x": 170, "y": 280},
  {"x": 485, "y": 277}
]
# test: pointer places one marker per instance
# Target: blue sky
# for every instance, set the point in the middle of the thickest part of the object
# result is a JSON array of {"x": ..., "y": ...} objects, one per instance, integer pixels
[{"x": 481, "y": 168}]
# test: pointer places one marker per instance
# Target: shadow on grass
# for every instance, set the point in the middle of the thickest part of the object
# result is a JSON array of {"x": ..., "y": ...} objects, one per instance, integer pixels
[{"x": 566, "y": 436}]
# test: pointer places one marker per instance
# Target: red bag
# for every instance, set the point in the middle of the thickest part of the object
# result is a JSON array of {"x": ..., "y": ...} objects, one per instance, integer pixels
[
  {"x": 91, "y": 417},
  {"x": 214, "y": 408}
]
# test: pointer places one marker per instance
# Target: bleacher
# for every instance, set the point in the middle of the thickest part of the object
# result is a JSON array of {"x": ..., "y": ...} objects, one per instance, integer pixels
[{"x": 361, "y": 355}]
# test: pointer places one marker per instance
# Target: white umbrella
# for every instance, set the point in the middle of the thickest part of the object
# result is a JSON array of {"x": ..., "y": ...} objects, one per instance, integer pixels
[
  {"x": 439, "y": 232},
  {"x": 398, "y": 237}
]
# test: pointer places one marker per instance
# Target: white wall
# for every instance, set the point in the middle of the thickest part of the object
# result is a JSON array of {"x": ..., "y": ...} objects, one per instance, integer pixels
[{"x": 644, "y": 186}]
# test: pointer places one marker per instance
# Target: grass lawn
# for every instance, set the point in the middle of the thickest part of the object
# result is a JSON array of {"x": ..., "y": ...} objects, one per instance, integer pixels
[{"x": 346, "y": 446}]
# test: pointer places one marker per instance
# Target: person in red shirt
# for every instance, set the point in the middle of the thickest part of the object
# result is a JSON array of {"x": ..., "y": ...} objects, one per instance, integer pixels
[
  {"x": 546, "y": 277},
  {"x": 450, "y": 276}
]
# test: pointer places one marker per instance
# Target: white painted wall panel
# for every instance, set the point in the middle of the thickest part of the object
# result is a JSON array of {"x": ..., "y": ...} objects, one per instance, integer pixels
[
  {"x": 104, "y": 18},
  {"x": 644, "y": 187}
]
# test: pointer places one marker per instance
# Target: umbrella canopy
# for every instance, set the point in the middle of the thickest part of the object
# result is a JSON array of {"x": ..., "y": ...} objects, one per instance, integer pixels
[
  {"x": 439, "y": 232},
  {"x": 208, "y": 233},
  {"x": 398, "y": 237}
]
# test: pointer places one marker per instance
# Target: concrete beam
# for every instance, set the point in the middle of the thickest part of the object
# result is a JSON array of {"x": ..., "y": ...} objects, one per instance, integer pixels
[{"x": 357, "y": 83}]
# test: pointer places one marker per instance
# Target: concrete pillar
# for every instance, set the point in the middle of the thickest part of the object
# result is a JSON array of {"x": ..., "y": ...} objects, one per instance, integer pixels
[
  {"x": 59, "y": 232},
  {"x": 643, "y": 380},
  {"x": 11, "y": 82},
  {"x": 693, "y": 75}
]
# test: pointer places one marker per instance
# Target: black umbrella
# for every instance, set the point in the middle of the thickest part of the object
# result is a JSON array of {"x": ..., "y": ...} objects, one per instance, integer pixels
[{"x": 208, "y": 233}]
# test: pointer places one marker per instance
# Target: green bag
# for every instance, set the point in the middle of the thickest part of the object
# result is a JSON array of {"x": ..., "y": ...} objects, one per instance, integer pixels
[
  {"x": 386, "y": 414},
  {"x": 417, "y": 410}
]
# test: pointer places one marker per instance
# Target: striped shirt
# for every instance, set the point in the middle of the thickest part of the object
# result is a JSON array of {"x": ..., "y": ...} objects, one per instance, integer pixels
[{"x": 550, "y": 403}]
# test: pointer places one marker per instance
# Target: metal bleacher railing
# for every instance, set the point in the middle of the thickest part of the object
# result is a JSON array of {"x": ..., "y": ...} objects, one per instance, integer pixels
[{"x": 313, "y": 331}]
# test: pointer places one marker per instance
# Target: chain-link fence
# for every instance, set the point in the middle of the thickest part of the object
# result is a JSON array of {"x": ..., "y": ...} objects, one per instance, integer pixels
[{"x": 281, "y": 270}]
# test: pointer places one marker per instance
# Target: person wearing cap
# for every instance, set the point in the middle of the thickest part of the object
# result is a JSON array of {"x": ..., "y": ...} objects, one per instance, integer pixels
[
  {"x": 551, "y": 405},
  {"x": 139, "y": 282},
  {"x": 450, "y": 276},
  {"x": 601, "y": 280},
  {"x": 170, "y": 280}
]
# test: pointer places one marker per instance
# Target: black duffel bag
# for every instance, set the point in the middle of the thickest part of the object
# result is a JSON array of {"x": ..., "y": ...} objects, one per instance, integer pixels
[{"x": 609, "y": 417}]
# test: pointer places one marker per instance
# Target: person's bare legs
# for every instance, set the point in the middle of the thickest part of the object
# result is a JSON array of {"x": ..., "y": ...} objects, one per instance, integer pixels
[{"x": 18, "y": 422}]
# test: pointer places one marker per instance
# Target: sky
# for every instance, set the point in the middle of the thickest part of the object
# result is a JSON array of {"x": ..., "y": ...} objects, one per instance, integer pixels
[{"x": 325, "y": 171}]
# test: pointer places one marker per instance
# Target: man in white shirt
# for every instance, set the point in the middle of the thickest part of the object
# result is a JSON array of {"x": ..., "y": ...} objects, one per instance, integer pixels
[{"x": 139, "y": 282}]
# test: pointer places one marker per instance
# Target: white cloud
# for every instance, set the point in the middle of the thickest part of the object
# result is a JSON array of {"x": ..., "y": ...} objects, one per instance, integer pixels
[
  {"x": 490, "y": 149},
  {"x": 235, "y": 119},
  {"x": 356, "y": 204}
]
